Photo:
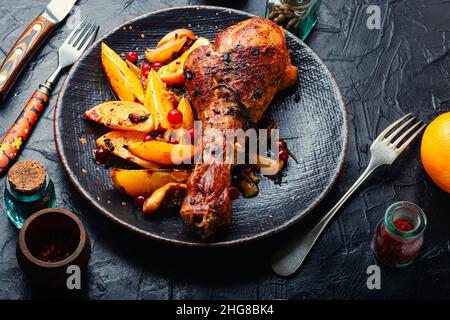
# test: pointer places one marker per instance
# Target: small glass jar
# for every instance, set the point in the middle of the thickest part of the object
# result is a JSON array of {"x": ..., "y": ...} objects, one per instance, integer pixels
[
  {"x": 21, "y": 203},
  {"x": 296, "y": 16},
  {"x": 399, "y": 236}
]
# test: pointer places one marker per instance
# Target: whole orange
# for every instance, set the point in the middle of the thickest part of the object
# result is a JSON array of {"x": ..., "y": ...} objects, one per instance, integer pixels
[{"x": 435, "y": 151}]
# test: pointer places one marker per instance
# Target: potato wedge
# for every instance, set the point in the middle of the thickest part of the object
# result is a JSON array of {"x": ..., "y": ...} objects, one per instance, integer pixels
[
  {"x": 188, "y": 115},
  {"x": 158, "y": 101},
  {"x": 114, "y": 141},
  {"x": 138, "y": 73},
  {"x": 268, "y": 166},
  {"x": 116, "y": 115},
  {"x": 162, "y": 152},
  {"x": 124, "y": 83},
  {"x": 171, "y": 195},
  {"x": 248, "y": 182},
  {"x": 145, "y": 182},
  {"x": 248, "y": 188},
  {"x": 134, "y": 69},
  {"x": 173, "y": 72},
  {"x": 166, "y": 51},
  {"x": 175, "y": 35}
]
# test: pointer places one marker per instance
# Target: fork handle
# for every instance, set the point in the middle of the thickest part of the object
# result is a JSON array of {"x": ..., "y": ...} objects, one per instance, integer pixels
[
  {"x": 19, "y": 132},
  {"x": 290, "y": 256},
  {"x": 27, "y": 44}
]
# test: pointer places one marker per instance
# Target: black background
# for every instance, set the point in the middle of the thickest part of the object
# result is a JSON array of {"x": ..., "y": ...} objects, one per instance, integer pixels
[{"x": 404, "y": 67}]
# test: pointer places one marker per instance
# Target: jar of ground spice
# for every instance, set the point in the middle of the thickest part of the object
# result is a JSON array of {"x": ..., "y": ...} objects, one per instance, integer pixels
[
  {"x": 399, "y": 236},
  {"x": 28, "y": 189}
]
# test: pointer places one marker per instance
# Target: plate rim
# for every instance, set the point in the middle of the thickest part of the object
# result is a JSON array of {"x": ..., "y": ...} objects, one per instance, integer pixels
[{"x": 145, "y": 234}]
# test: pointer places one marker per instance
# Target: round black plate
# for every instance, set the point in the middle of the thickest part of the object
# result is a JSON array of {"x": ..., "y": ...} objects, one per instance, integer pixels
[{"x": 311, "y": 117}]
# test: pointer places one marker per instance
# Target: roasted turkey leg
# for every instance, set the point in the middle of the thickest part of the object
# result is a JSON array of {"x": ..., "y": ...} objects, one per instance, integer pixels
[{"x": 231, "y": 86}]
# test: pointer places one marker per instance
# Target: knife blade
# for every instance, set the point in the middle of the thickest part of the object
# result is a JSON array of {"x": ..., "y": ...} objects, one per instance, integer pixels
[{"x": 29, "y": 41}]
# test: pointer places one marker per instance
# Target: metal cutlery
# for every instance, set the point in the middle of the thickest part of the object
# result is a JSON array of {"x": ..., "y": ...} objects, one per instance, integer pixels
[
  {"x": 72, "y": 48},
  {"x": 28, "y": 42},
  {"x": 384, "y": 150}
]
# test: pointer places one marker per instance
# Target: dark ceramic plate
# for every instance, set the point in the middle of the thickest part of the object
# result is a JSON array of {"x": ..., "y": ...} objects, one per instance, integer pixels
[{"x": 311, "y": 117}]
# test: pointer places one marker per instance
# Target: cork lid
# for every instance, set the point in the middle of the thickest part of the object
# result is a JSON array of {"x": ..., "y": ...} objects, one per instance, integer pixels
[{"x": 27, "y": 177}]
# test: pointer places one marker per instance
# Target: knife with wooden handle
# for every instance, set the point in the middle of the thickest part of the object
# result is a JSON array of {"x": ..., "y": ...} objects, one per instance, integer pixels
[{"x": 27, "y": 44}]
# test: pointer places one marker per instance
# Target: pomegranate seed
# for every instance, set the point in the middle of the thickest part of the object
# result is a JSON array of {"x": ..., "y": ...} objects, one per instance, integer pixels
[
  {"x": 234, "y": 193},
  {"x": 157, "y": 65},
  {"x": 102, "y": 155},
  {"x": 139, "y": 201},
  {"x": 175, "y": 116},
  {"x": 132, "y": 56},
  {"x": 145, "y": 69},
  {"x": 148, "y": 138},
  {"x": 283, "y": 154}
]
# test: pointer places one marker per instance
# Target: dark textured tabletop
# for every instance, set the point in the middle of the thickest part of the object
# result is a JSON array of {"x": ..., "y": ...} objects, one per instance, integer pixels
[{"x": 383, "y": 74}]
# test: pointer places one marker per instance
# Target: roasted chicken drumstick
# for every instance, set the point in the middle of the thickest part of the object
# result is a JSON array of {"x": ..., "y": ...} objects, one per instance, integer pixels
[{"x": 230, "y": 85}]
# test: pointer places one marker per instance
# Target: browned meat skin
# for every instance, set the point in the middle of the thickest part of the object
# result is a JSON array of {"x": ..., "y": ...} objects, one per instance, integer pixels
[
  {"x": 259, "y": 32},
  {"x": 231, "y": 86}
]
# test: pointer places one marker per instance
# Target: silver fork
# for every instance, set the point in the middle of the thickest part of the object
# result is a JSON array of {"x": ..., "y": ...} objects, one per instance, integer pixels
[
  {"x": 72, "y": 48},
  {"x": 384, "y": 150}
]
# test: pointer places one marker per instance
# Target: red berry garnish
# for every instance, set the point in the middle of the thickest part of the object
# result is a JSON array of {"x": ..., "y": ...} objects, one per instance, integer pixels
[
  {"x": 139, "y": 201},
  {"x": 283, "y": 154},
  {"x": 157, "y": 65},
  {"x": 145, "y": 69},
  {"x": 174, "y": 101},
  {"x": 282, "y": 144},
  {"x": 148, "y": 138},
  {"x": 175, "y": 116},
  {"x": 134, "y": 117},
  {"x": 133, "y": 57},
  {"x": 234, "y": 193},
  {"x": 102, "y": 155}
]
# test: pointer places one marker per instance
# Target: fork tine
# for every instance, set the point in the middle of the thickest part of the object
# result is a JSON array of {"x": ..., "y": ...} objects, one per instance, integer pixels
[
  {"x": 82, "y": 33},
  {"x": 407, "y": 142},
  {"x": 89, "y": 39},
  {"x": 389, "y": 128},
  {"x": 90, "y": 35},
  {"x": 397, "y": 131},
  {"x": 403, "y": 136},
  {"x": 75, "y": 31}
]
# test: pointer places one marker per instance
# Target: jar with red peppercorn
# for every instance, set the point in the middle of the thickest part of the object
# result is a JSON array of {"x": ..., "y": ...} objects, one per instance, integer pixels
[{"x": 399, "y": 236}]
